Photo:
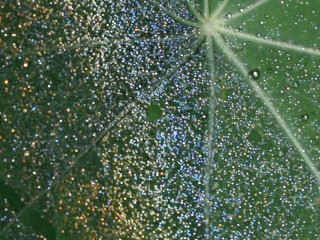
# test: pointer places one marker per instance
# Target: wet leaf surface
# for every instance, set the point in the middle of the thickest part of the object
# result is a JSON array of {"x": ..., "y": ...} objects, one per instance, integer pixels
[{"x": 159, "y": 120}]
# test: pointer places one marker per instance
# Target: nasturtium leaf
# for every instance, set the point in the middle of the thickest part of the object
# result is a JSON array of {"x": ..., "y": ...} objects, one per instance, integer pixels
[{"x": 84, "y": 87}]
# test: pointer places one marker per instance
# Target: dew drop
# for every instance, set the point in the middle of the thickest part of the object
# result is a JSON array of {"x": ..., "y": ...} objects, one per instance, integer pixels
[
  {"x": 295, "y": 85},
  {"x": 288, "y": 56},
  {"x": 304, "y": 117},
  {"x": 154, "y": 112},
  {"x": 228, "y": 15},
  {"x": 269, "y": 70},
  {"x": 255, "y": 136},
  {"x": 254, "y": 74}
]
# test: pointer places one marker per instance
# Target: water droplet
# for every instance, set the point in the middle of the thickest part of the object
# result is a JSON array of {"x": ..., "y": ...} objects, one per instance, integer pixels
[
  {"x": 295, "y": 84},
  {"x": 154, "y": 112},
  {"x": 255, "y": 136},
  {"x": 254, "y": 74},
  {"x": 304, "y": 117},
  {"x": 288, "y": 56},
  {"x": 228, "y": 15},
  {"x": 269, "y": 70}
]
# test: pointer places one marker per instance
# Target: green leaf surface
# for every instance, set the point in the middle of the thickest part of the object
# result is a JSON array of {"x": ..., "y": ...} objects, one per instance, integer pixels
[
  {"x": 28, "y": 213},
  {"x": 160, "y": 119}
]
